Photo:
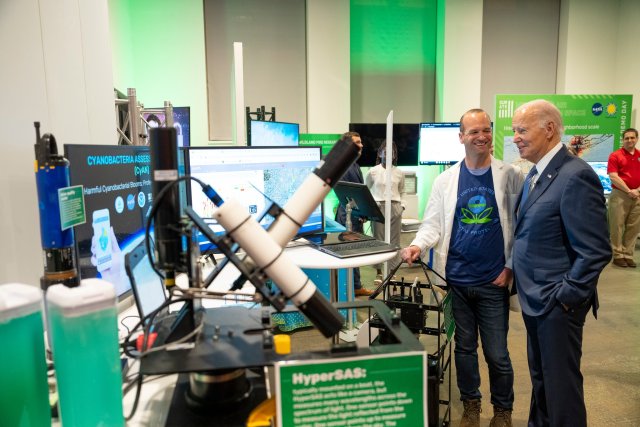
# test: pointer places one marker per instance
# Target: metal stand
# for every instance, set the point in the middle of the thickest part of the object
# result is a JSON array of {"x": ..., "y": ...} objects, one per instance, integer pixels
[
  {"x": 261, "y": 114},
  {"x": 406, "y": 300},
  {"x": 350, "y": 332},
  {"x": 134, "y": 129}
]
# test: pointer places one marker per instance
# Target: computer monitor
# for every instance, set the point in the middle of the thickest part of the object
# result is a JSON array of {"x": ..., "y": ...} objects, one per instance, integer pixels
[
  {"x": 600, "y": 169},
  {"x": 254, "y": 176},
  {"x": 272, "y": 134},
  {"x": 440, "y": 143},
  {"x": 117, "y": 192},
  {"x": 364, "y": 206},
  {"x": 181, "y": 121},
  {"x": 405, "y": 135}
]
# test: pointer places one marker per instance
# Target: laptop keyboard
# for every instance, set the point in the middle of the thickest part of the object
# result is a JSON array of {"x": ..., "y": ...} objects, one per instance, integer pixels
[
  {"x": 352, "y": 249},
  {"x": 363, "y": 244}
]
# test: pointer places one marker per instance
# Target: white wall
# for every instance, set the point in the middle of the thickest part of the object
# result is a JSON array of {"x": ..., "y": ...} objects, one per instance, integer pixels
[
  {"x": 328, "y": 62},
  {"x": 597, "y": 50},
  {"x": 519, "y": 49},
  {"x": 57, "y": 70},
  {"x": 462, "y": 59}
]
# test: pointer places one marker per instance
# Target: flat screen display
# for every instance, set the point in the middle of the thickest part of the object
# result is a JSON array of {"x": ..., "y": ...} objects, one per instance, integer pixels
[
  {"x": 181, "y": 121},
  {"x": 600, "y": 169},
  {"x": 273, "y": 134},
  {"x": 254, "y": 176},
  {"x": 405, "y": 135},
  {"x": 116, "y": 184},
  {"x": 440, "y": 143}
]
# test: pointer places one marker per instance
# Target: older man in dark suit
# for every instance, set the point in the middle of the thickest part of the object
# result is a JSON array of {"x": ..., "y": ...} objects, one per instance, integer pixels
[{"x": 560, "y": 247}]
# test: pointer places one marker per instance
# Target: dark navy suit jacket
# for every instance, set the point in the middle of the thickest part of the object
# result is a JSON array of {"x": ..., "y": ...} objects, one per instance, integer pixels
[{"x": 561, "y": 239}]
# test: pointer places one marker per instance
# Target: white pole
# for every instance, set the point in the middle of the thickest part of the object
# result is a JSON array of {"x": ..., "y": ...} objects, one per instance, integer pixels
[
  {"x": 387, "y": 187},
  {"x": 238, "y": 120}
]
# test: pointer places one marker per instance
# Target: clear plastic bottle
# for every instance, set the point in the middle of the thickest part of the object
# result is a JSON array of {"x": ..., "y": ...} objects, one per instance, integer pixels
[
  {"x": 84, "y": 333},
  {"x": 24, "y": 392}
]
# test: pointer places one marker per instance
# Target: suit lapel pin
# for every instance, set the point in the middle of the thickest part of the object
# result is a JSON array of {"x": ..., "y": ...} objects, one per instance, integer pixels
[{"x": 549, "y": 175}]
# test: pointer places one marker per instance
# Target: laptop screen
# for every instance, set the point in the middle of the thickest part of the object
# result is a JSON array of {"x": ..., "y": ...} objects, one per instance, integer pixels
[{"x": 147, "y": 286}]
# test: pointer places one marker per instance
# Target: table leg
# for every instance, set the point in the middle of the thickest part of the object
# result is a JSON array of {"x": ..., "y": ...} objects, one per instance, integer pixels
[{"x": 333, "y": 295}]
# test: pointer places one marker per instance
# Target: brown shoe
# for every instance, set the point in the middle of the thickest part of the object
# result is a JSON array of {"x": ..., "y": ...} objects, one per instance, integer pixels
[
  {"x": 471, "y": 415},
  {"x": 363, "y": 292},
  {"x": 620, "y": 262},
  {"x": 501, "y": 417},
  {"x": 630, "y": 263}
]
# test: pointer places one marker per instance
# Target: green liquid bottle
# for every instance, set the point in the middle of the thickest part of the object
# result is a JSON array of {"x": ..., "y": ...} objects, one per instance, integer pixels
[
  {"x": 24, "y": 392},
  {"x": 84, "y": 333}
]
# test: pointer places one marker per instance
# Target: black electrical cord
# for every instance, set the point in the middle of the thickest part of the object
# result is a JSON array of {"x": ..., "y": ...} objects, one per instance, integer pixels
[
  {"x": 125, "y": 318},
  {"x": 154, "y": 209},
  {"x": 147, "y": 322},
  {"x": 136, "y": 399}
]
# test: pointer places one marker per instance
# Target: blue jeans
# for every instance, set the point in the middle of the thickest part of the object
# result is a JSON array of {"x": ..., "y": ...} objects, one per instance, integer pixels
[
  {"x": 357, "y": 284},
  {"x": 483, "y": 308}
]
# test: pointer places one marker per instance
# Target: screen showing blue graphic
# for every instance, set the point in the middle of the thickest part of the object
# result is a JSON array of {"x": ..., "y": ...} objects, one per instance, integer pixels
[
  {"x": 255, "y": 177},
  {"x": 440, "y": 143},
  {"x": 600, "y": 169},
  {"x": 116, "y": 185},
  {"x": 273, "y": 134}
]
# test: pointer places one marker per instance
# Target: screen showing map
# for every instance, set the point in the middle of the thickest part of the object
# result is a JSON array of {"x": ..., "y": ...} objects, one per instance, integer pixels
[{"x": 254, "y": 176}]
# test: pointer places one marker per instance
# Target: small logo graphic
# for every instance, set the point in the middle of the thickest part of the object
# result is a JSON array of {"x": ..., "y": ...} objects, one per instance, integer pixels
[
  {"x": 612, "y": 109},
  {"x": 103, "y": 240},
  {"x": 478, "y": 213},
  {"x": 119, "y": 204},
  {"x": 131, "y": 202},
  {"x": 253, "y": 209},
  {"x": 597, "y": 109},
  {"x": 505, "y": 108},
  {"x": 141, "y": 199}
]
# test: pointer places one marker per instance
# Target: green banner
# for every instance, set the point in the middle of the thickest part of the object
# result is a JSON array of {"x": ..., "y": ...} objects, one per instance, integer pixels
[
  {"x": 325, "y": 140},
  {"x": 593, "y": 124},
  {"x": 372, "y": 391}
]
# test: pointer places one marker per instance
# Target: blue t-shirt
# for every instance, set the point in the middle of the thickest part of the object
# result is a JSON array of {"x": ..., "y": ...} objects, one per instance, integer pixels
[{"x": 476, "y": 249}]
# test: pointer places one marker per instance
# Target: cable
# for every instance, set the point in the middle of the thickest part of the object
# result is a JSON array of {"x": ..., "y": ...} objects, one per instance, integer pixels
[
  {"x": 206, "y": 188},
  {"x": 136, "y": 399},
  {"x": 147, "y": 321},
  {"x": 125, "y": 318}
]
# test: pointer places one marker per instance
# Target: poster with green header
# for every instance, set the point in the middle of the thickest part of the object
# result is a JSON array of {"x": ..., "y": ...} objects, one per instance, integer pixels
[
  {"x": 593, "y": 124},
  {"x": 324, "y": 140},
  {"x": 368, "y": 391}
]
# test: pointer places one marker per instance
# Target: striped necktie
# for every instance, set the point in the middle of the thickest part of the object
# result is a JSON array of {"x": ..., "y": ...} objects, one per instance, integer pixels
[{"x": 528, "y": 185}]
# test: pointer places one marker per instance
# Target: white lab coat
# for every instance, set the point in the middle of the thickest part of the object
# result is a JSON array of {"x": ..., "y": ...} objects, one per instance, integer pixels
[{"x": 435, "y": 230}]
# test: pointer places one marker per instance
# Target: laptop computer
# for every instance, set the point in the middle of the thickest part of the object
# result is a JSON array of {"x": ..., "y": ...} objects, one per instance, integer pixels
[{"x": 348, "y": 244}]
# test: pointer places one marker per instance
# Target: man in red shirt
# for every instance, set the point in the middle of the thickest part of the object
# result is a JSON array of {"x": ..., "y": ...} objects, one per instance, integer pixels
[{"x": 624, "y": 202}]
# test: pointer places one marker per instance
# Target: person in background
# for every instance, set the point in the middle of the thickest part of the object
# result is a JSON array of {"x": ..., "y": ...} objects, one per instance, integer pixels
[
  {"x": 468, "y": 220},
  {"x": 376, "y": 182},
  {"x": 353, "y": 174},
  {"x": 560, "y": 247},
  {"x": 624, "y": 202}
]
